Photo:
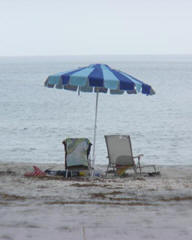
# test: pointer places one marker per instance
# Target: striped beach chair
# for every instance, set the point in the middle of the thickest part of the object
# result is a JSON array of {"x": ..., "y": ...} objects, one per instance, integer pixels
[{"x": 77, "y": 152}]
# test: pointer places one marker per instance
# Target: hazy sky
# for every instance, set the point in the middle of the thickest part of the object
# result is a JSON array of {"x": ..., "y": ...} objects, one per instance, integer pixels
[{"x": 62, "y": 27}]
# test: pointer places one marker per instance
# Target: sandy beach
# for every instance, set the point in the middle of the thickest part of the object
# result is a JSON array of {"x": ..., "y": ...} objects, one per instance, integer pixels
[{"x": 157, "y": 207}]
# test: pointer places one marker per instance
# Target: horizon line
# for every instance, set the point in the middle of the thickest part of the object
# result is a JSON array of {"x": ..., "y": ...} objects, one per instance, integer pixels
[{"x": 91, "y": 55}]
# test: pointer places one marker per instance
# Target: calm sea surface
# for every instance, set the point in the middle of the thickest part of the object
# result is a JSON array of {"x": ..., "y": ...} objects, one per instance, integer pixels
[{"x": 34, "y": 120}]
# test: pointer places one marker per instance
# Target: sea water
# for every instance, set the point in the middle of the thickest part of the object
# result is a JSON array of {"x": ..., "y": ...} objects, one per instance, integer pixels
[{"x": 34, "y": 120}]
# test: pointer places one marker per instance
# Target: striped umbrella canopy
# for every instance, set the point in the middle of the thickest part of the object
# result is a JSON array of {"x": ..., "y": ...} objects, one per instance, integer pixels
[{"x": 98, "y": 78}]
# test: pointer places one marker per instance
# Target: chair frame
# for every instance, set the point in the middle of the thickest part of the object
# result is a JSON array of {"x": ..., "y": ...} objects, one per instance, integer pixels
[{"x": 134, "y": 165}]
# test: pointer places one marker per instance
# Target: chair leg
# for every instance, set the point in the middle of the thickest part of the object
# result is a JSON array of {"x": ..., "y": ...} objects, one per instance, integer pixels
[
  {"x": 139, "y": 164},
  {"x": 107, "y": 170},
  {"x": 135, "y": 170},
  {"x": 66, "y": 174},
  {"x": 115, "y": 171}
]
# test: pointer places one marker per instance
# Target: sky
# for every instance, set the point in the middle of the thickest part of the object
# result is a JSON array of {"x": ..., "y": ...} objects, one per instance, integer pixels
[{"x": 95, "y": 27}]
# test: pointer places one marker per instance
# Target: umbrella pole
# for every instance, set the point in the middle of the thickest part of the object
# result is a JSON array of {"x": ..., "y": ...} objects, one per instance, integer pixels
[{"x": 95, "y": 130}]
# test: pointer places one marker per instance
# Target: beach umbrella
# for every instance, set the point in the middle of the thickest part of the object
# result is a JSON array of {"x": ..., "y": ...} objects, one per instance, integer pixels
[{"x": 98, "y": 78}]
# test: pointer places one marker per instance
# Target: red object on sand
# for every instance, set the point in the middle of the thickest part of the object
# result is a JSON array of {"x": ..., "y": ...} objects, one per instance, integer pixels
[{"x": 36, "y": 172}]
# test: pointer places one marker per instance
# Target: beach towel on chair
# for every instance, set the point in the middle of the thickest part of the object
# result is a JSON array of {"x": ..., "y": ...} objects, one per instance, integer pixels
[{"x": 77, "y": 152}]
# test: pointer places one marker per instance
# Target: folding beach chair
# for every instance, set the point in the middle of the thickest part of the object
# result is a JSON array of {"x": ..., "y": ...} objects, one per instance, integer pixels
[
  {"x": 77, "y": 154},
  {"x": 120, "y": 155}
]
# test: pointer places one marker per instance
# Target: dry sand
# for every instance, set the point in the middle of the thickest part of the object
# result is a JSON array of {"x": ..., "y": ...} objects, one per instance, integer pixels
[{"x": 157, "y": 207}]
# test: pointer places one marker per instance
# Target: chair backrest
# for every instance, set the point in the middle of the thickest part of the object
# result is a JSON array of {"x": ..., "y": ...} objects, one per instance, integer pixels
[
  {"x": 77, "y": 152},
  {"x": 119, "y": 150}
]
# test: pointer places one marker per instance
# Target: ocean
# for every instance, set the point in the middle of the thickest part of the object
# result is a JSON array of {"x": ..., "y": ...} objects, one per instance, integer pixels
[{"x": 34, "y": 120}]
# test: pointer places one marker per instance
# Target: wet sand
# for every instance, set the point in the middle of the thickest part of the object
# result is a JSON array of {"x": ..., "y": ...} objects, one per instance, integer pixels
[{"x": 140, "y": 207}]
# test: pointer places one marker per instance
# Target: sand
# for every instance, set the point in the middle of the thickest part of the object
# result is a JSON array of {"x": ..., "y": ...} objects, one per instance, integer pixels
[{"x": 139, "y": 207}]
